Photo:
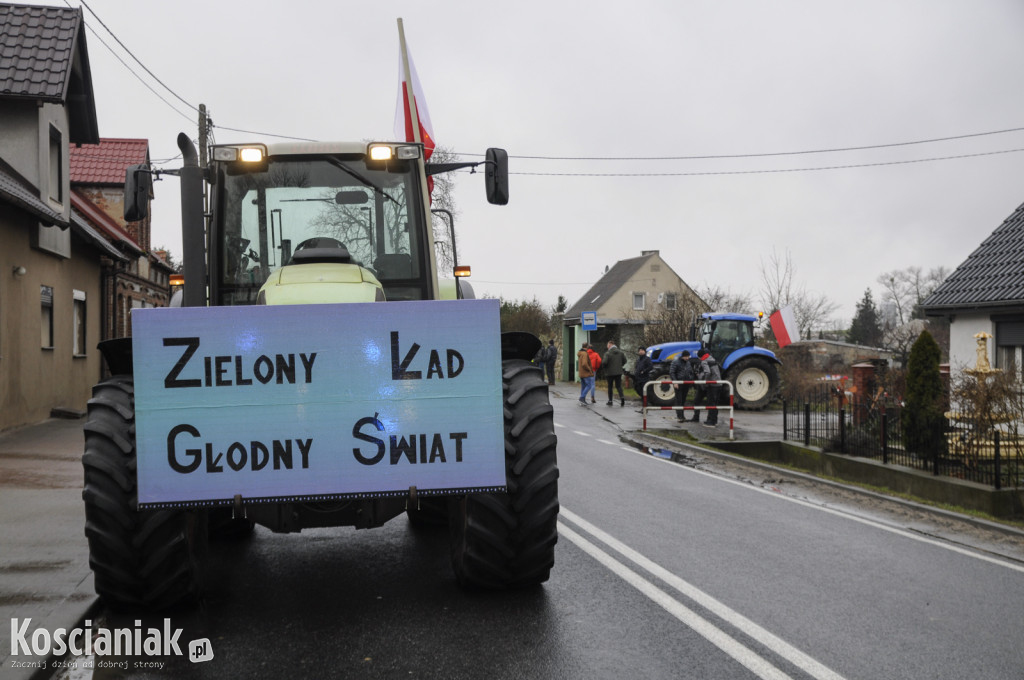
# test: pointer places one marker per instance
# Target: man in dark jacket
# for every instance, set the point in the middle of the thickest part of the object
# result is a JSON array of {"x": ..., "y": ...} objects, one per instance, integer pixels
[
  {"x": 682, "y": 368},
  {"x": 709, "y": 371},
  {"x": 614, "y": 362},
  {"x": 549, "y": 361},
  {"x": 642, "y": 368}
]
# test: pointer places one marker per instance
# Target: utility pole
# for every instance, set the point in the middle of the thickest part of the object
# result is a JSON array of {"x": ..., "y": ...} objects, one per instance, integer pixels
[{"x": 204, "y": 124}]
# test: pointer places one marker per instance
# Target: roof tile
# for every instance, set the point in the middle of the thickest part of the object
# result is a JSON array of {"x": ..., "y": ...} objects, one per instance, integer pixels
[{"x": 991, "y": 275}]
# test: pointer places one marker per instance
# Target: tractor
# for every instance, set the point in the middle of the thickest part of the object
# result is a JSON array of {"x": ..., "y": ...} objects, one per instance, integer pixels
[
  {"x": 752, "y": 370},
  {"x": 332, "y": 232}
]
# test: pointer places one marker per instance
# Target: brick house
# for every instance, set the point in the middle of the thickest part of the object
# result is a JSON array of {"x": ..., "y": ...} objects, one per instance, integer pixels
[{"x": 142, "y": 277}]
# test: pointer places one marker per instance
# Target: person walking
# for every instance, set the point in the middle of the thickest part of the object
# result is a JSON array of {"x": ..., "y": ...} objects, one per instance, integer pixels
[
  {"x": 549, "y": 361},
  {"x": 682, "y": 368},
  {"x": 585, "y": 372},
  {"x": 642, "y": 369},
  {"x": 614, "y": 363},
  {"x": 595, "y": 365},
  {"x": 709, "y": 371}
]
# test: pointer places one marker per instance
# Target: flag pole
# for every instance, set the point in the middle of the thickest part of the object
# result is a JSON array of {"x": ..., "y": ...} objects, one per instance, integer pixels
[
  {"x": 414, "y": 123},
  {"x": 410, "y": 97}
]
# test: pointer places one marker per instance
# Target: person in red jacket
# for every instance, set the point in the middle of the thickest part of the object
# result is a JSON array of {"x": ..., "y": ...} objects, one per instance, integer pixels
[{"x": 595, "y": 363}]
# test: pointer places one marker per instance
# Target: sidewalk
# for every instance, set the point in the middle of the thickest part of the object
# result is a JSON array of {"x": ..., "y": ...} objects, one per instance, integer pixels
[
  {"x": 747, "y": 425},
  {"x": 44, "y": 556}
]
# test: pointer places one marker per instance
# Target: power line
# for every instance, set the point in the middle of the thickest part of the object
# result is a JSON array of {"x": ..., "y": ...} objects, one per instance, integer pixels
[
  {"x": 762, "y": 172},
  {"x": 147, "y": 85},
  {"x": 264, "y": 134},
  {"x": 125, "y": 48},
  {"x": 773, "y": 153}
]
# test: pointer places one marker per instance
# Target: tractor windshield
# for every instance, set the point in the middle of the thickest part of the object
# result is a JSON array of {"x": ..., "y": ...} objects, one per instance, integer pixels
[
  {"x": 335, "y": 204},
  {"x": 725, "y": 336}
]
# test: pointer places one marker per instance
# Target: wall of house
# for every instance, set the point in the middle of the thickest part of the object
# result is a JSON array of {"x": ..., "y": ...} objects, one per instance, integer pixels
[
  {"x": 653, "y": 278},
  {"x": 963, "y": 352},
  {"x": 33, "y": 380},
  {"x": 19, "y": 144}
]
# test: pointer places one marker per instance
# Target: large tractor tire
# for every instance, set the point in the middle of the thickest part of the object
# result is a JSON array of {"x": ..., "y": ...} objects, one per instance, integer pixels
[
  {"x": 755, "y": 382},
  {"x": 142, "y": 560},
  {"x": 507, "y": 540},
  {"x": 659, "y": 395}
]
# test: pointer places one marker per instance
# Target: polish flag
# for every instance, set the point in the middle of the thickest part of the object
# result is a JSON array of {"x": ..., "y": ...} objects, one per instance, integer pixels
[
  {"x": 412, "y": 122},
  {"x": 784, "y": 326}
]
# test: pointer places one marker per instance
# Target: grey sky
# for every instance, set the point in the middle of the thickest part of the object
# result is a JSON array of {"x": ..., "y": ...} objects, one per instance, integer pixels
[{"x": 603, "y": 79}]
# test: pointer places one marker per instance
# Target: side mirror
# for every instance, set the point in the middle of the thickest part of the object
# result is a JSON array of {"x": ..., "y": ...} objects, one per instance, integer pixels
[
  {"x": 138, "y": 183},
  {"x": 496, "y": 176}
]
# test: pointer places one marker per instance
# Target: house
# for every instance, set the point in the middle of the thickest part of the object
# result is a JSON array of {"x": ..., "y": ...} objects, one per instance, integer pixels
[
  {"x": 631, "y": 295},
  {"x": 985, "y": 294},
  {"x": 142, "y": 277},
  {"x": 50, "y": 258}
]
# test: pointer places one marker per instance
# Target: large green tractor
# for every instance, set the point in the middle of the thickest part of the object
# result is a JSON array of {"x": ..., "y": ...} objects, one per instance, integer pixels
[{"x": 345, "y": 227}]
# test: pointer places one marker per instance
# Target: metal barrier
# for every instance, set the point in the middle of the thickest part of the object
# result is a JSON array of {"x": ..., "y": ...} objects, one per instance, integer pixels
[{"x": 726, "y": 383}]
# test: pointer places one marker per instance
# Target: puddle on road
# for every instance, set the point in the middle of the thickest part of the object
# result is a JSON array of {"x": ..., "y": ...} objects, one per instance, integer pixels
[{"x": 663, "y": 453}]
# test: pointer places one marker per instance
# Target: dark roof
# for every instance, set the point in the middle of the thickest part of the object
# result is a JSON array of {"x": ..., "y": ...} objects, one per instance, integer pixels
[
  {"x": 104, "y": 223},
  {"x": 991, "y": 276},
  {"x": 14, "y": 189},
  {"x": 43, "y": 57},
  {"x": 105, "y": 163},
  {"x": 614, "y": 279},
  {"x": 81, "y": 226}
]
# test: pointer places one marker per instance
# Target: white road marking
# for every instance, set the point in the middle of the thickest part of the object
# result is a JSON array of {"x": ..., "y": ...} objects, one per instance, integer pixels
[
  {"x": 734, "y": 618},
  {"x": 759, "y": 666},
  {"x": 582, "y": 434},
  {"x": 605, "y": 441}
]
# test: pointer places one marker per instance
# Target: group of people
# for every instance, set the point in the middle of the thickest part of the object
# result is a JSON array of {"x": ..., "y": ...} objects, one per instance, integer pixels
[
  {"x": 588, "y": 361},
  {"x": 701, "y": 366}
]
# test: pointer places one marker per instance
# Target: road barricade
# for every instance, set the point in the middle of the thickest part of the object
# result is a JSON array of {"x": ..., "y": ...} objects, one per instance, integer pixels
[{"x": 714, "y": 407}]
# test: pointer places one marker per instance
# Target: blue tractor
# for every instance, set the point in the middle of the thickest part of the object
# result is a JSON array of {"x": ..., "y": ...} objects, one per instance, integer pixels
[{"x": 753, "y": 371}]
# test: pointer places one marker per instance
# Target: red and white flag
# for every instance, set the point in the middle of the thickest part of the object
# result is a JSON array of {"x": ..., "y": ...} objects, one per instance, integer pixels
[
  {"x": 784, "y": 326},
  {"x": 412, "y": 122}
]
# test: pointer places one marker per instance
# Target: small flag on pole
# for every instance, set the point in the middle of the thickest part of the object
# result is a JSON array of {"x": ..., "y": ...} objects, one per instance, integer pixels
[{"x": 784, "y": 326}]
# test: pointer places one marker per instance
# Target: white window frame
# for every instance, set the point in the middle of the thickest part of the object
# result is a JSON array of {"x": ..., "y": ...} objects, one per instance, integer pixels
[
  {"x": 642, "y": 297},
  {"x": 79, "y": 327}
]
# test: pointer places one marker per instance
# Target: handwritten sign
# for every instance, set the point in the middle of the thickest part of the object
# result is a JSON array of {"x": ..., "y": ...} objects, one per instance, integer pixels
[{"x": 300, "y": 402}]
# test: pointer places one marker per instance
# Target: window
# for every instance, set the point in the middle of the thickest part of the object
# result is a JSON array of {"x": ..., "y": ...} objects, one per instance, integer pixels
[
  {"x": 78, "y": 323},
  {"x": 670, "y": 301},
  {"x": 638, "y": 300},
  {"x": 56, "y": 165},
  {"x": 46, "y": 318}
]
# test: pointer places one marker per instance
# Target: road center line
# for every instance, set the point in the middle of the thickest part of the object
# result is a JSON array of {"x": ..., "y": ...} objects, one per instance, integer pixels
[
  {"x": 746, "y": 657},
  {"x": 734, "y": 618}
]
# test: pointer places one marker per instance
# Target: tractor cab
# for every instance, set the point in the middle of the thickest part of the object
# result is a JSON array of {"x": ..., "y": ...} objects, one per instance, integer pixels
[{"x": 723, "y": 334}]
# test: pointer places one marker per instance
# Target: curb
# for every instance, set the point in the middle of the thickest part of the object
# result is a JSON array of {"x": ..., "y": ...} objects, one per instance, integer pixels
[{"x": 715, "y": 453}]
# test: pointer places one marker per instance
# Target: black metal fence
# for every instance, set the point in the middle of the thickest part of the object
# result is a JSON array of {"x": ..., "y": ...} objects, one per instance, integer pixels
[{"x": 974, "y": 447}]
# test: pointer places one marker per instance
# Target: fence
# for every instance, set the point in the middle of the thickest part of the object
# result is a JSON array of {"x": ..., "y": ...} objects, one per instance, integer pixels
[
  {"x": 974, "y": 446},
  {"x": 710, "y": 407}
]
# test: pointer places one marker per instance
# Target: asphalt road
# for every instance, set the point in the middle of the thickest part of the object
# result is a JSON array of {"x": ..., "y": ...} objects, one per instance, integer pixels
[{"x": 664, "y": 570}]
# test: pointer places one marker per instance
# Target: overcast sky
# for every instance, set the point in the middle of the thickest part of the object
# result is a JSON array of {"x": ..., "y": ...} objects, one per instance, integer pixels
[{"x": 619, "y": 80}]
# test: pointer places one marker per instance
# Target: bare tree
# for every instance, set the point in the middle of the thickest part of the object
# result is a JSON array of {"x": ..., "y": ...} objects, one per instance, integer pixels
[
  {"x": 442, "y": 199},
  {"x": 905, "y": 289},
  {"x": 812, "y": 310},
  {"x": 724, "y": 300},
  {"x": 669, "y": 323}
]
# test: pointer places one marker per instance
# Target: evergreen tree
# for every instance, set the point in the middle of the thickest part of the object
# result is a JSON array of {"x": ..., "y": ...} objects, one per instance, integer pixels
[
  {"x": 922, "y": 418},
  {"x": 865, "y": 329}
]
